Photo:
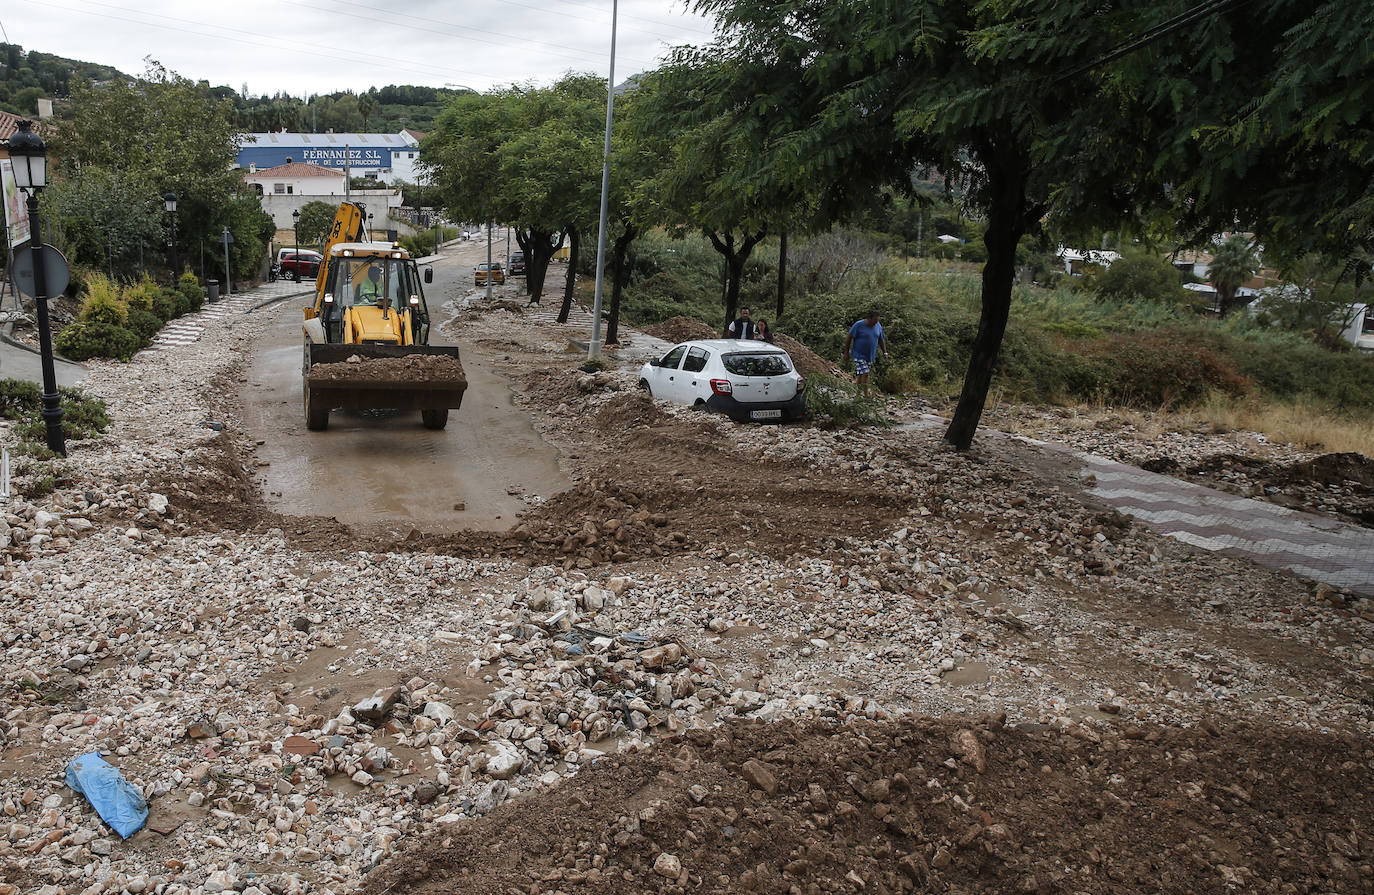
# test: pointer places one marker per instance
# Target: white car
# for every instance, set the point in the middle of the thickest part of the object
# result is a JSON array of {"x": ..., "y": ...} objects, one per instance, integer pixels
[{"x": 741, "y": 378}]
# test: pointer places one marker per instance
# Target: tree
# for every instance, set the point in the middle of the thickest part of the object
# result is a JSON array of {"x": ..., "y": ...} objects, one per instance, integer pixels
[
  {"x": 1233, "y": 262},
  {"x": 522, "y": 156},
  {"x": 161, "y": 132},
  {"x": 1141, "y": 275},
  {"x": 1059, "y": 109},
  {"x": 702, "y": 181},
  {"x": 105, "y": 220},
  {"x": 316, "y": 219}
]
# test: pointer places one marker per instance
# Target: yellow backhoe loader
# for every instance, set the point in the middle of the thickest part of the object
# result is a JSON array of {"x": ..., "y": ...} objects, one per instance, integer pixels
[{"x": 367, "y": 334}]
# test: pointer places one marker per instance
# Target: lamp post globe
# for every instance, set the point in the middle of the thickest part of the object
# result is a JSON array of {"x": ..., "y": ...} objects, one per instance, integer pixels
[
  {"x": 296, "y": 227},
  {"x": 169, "y": 202},
  {"x": 28, "y": 155}
]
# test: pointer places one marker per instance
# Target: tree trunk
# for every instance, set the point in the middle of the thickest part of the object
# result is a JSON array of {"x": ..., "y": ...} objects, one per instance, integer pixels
[
  {"x": 1007, "y": 217},
  {"x": 618, "y": 256},
  {"x": 782, "y": 275},
  {"x": 569, "y": 281},
  {"x": 734, "y": 266},
  {"x": 537, "y": 257}
]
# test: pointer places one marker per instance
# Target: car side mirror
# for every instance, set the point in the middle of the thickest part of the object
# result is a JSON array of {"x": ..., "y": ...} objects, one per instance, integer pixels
[
  {"x": 653, "y": 362},
  {"x": 429, "y": 275}
]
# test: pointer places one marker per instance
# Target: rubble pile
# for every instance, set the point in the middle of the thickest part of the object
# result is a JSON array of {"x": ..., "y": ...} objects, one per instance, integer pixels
[{"x": 296, "y": 712}]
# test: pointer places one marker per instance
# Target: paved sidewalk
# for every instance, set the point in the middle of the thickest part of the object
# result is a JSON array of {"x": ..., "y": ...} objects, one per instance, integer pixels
[
  {"x": 188, "y": 329},
  {"x": 1316, "y": 547}
]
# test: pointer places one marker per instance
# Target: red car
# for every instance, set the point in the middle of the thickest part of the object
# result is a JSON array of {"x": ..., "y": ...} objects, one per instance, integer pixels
[{"x": 308, "y": 262}]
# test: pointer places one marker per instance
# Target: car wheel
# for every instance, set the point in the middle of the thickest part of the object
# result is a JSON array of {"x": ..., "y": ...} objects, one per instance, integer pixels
[
  {"x": 644, "y": 386},
  {"x": 434, "y": 419},
  {"x": 700, "y": 405}
]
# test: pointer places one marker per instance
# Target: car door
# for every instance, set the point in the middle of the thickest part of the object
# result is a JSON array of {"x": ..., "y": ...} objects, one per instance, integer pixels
[
  {"x": 663, "y": 376},
  {"x": 693, "y": 382}
]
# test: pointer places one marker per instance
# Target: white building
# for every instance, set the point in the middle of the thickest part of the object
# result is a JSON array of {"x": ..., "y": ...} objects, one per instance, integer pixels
[
  {"x": 287, "y": 188},
  {"x": 386, "y": 157}
]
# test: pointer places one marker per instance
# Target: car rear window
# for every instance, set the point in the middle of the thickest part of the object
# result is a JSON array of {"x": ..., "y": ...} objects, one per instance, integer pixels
[{"x": 771, "y": 363}]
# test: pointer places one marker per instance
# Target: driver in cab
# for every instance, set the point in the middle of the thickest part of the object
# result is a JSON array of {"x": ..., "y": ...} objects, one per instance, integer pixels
[{"x": 369, "y": 292}]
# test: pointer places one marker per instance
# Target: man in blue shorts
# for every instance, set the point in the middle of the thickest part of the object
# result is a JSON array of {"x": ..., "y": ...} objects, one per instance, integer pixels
[{"x": 862, "y": 344}]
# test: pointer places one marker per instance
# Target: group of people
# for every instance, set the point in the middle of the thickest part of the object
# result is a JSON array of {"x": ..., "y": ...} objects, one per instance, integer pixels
[
  {"x": 861, "y": 345},
  {"x": 743, "y": 327}
]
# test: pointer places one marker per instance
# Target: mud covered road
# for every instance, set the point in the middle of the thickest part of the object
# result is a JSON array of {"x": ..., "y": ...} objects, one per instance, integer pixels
[{"x": 382, "y": 468}]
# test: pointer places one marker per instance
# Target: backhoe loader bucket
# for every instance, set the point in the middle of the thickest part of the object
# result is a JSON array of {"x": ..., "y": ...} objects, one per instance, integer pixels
[{"x": 376, "y": 377}]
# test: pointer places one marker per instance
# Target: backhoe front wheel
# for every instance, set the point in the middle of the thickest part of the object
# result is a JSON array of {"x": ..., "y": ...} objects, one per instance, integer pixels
[
  {"x": 434, "y": 419},
  {"x": 316, "y": 416}
]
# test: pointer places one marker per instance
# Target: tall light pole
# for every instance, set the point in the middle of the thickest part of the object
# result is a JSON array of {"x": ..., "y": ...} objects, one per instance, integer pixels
[
  {"x": 296, "y": 226},
  {"x": 490, "y": 274},
  {"x": 594, "y": 346},
  {"x": 28, "y": 153},
  {"x": 169, "y": 202}
]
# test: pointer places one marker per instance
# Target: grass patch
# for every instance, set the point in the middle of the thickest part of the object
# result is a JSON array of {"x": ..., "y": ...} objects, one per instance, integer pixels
[{"x": 82, "y": 416}]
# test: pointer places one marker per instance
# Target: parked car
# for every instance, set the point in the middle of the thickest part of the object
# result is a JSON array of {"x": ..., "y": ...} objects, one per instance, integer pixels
[
  {"x": 741, "y": 378},
  {"x": 498, "y": 273},
  {"x": 308, "y": 262},
  {"x": 517, "y": 264}
]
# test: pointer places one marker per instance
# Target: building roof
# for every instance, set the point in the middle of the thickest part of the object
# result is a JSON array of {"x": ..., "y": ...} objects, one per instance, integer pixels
[
  {"x": 415, "y": 135},
  {"x": 296, "y": 169},
  {"x": 402, "y": 140},
  {"x": 9, "y": 125}
]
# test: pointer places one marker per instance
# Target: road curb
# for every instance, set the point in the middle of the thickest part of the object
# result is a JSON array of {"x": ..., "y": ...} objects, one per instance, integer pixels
[
  {"x": 271, "y": 301},
  {"x": 7, "y": 337}
]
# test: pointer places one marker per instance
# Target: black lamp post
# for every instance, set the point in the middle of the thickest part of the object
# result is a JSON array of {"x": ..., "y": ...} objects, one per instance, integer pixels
[
  {"x": 28, "y": 154},
  {"x": 296, "y": 226},
  {"x": 169, "y": 202}
]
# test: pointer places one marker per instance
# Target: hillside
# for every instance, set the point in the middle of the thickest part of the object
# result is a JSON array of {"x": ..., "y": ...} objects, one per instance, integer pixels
[{"x": 26, "y": 77}]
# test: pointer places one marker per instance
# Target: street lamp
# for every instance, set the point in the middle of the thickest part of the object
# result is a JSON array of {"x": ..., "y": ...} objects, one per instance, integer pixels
[
  {"x": 169, "y": 202},
  {"x": 296, "y": 226},
  {"x": 28, "y": 154}
]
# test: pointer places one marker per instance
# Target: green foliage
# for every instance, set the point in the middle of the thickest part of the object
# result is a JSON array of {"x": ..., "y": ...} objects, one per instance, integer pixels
[
  {"x": 82, "y": 341},
  {"x": 82, "y": 416},
  {"x": 316, "y": 218},
  {"x": 1233, "y": 262},
  {"x": 833, "y": 403},
  {"x": 140, "y": 295},
  {"x": 192, "y": 296},
  {"x": 1141, "y": 276},
  {"x": 167, "y": 303},
  {"x": 26, "y": 76},
  {"x": 106, "y": 219},
  {"x": 145, "y": 324},
  {"x": 103, "y": 302}
]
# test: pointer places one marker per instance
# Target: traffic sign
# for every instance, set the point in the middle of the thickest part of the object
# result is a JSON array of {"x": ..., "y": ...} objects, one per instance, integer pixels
[{"x": 56, "y": 273}]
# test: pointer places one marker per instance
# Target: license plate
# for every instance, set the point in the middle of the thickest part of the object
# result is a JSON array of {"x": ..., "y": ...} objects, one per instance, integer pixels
[{"x": 765, "y": 414}]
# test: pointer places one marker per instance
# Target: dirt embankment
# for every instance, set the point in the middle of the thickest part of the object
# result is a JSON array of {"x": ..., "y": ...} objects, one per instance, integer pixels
[{"x": 928, "y": 806}]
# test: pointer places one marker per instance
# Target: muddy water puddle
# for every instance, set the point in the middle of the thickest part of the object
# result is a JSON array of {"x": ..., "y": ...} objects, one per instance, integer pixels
[{"x": 383, "y": 467}]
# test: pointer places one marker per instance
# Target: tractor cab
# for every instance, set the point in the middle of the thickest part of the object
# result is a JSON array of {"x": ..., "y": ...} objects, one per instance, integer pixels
[{"x": 372, "y": 293}]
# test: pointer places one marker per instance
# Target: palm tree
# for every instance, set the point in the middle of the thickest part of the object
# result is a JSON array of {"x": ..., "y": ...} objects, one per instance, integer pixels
[{"x": 1233, "y": 262}]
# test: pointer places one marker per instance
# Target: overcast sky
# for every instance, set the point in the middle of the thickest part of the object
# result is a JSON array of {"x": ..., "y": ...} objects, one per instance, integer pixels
[{"x": 318, "y": 46}]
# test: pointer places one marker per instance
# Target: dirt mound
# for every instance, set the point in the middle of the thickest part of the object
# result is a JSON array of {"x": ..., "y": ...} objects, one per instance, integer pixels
[
  {"x": 928, "y": 806},
  {"x": 1337, "y": 469},
  {"x": 413, "y": 368},
  {"x": 627, "y": 412},
  {"x": 681, "y": 329},
  {"x": 806, "y": 360}
]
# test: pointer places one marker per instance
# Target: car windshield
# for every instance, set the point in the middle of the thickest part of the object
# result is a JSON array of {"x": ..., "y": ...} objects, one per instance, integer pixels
[{"x": 760, "y": 363}]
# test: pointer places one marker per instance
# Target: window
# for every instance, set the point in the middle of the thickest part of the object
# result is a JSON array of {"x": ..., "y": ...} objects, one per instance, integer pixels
[
  {"x": 760, "y": 364},
  {"x": 672, "y": 358},
  {"x": 696, "y": 360},
  {"x": 279, "y": 189}
]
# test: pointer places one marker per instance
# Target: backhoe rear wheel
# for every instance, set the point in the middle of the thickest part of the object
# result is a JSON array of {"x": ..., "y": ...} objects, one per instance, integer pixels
[{"x": 434, "y": 419}]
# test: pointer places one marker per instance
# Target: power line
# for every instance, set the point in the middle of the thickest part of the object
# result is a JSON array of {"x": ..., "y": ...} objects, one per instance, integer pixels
[{"x": 1154, "y": 33}]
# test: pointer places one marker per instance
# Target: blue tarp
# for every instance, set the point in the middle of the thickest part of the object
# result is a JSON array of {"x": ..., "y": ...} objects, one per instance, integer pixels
[{"x": 116, "y": 800}]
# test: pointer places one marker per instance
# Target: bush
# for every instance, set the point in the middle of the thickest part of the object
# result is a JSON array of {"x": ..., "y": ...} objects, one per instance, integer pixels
[
  {"x": 145, "y": 324},
  {"x": 82, "y": 416},
  {"x": 167, "y": 303},
  {"x": 836, "y": 403},
  {"x": 140, "y": 295},
  {"x": 193, "y": 297},
  {"x": 103, "y": 304},
  {"x": 84, "y": 340},
  {"x": 1160, "y": 371},
  {"x": 1141, "y": 276}
]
